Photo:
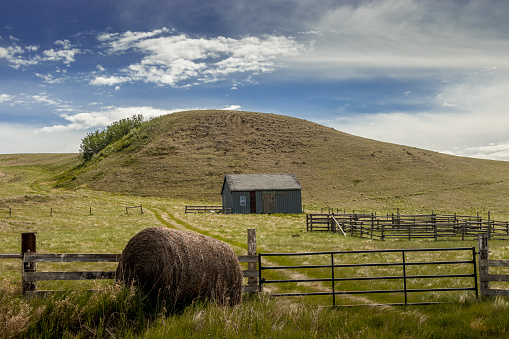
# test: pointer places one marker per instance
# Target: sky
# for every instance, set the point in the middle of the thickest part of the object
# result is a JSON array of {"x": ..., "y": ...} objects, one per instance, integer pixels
[{"x": 432, "y": 74}]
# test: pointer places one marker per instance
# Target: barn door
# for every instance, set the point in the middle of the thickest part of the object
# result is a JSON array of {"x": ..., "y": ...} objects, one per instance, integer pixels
[
  {"x": 252, "y": 202},
  {"x": 268, "y": 203}
]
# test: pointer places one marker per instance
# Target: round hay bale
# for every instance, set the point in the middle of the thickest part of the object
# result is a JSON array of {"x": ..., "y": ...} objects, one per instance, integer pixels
[{"x": 179, "y": 267}]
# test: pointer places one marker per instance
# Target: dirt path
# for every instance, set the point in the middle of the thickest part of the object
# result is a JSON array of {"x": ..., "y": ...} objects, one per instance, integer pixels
[{"x": 169, "y": 220}]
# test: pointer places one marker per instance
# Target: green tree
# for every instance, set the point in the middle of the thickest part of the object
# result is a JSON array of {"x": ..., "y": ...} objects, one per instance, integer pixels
[{"x": 95, "y": 142}]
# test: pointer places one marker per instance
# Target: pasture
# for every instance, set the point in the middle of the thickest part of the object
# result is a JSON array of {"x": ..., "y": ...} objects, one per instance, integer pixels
[{"x": 85, "y": 221}]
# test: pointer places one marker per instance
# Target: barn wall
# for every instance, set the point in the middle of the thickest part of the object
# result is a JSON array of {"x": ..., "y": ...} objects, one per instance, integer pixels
[
  {"x": 236, "y": 203},
  {"x": 286, "y": 201},
  {"x": 227, "y": 197}
]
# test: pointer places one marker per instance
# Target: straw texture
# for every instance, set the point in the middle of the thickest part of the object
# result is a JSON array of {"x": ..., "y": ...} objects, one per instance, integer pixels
[{"x": 179, "y": 267}]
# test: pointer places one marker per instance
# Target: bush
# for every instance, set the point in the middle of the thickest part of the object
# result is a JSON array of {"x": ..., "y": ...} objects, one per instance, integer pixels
[{"x": 96, "y": 141}]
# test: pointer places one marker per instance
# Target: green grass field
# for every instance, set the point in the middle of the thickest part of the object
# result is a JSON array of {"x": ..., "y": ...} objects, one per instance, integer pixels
[{"x": 64, "y": 224}]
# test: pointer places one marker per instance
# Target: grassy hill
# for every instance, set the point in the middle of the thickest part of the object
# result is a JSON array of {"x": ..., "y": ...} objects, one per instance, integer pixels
[{"x": 185, "y": 155}]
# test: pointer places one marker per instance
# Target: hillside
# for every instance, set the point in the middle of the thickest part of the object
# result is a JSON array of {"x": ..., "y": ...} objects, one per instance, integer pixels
[{"x": 185, "y": 155}]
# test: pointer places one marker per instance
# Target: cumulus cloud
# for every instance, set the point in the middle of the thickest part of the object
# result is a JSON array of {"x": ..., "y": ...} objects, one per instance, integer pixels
[
  {"x": 108, "y": 80},
  {"x": 179, "y": 60},
  {"x": 26, "y": 56}
]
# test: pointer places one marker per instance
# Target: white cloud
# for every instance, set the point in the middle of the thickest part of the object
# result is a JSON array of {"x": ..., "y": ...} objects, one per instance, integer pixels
[
  {"x": 467, "y": 118},
  {"x": 493, "y": 151},
  {"x": 173, "y": 60},
  {"x": 25, "y": 56},
  {"x": 31, "y": 100},
  {"x": 50, "y": 78},
  {"x": 5, "y": 98},
  {"x": 116, "y": 42},
  {"x": 17, "y": 138},
  {"x": 397, "y": 37},
  {"x": 108, "y": 80},
  {"x": 232, "y": 107},
  {"x": 103, "y": 118}
]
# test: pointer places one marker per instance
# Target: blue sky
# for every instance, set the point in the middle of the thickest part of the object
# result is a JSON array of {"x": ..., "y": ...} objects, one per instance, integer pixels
[{"x": 429, "y": 74}]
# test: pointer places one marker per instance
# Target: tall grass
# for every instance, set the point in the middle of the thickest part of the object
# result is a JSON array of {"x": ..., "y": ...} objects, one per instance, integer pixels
[
  {"x": 113, "y": 311},
  {"x": 122, "y": 312}
]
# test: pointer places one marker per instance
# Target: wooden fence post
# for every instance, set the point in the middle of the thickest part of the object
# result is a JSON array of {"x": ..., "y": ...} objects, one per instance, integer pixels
[
  {"x": 28, "y": 244},
  {"x": 483, "y": 262},
  {"x": 489, "y": 226},
  {"x": 251, "y": 250}
]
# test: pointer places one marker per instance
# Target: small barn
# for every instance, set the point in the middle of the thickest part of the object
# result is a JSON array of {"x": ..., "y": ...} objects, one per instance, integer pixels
[{"x": 261, "y": 193}]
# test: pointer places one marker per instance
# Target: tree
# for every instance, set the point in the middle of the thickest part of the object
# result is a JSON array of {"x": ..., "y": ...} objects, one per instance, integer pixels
[{"x": 95, "y": 142}]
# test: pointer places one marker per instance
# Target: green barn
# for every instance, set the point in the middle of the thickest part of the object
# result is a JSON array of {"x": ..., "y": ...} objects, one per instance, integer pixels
[{"x": 261, "y": 193}]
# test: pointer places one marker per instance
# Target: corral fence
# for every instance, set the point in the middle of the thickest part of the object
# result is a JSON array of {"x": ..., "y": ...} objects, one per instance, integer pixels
[
  {"x": 331, "y": 274},
  {"x": 30, "y": 275},
  {"x": 485, "y": 263},
  {"x": 397, "y": 226},
  {"x": 207, "y": 209}
]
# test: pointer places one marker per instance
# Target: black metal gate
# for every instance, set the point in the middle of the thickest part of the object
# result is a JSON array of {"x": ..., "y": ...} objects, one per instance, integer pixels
[{"x": 332, "y": 273}]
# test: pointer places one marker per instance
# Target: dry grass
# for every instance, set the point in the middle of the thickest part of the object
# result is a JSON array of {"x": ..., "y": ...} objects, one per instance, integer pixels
[
  {"x": 185, "y": 155},
  {"x": 120, "y": 313}
]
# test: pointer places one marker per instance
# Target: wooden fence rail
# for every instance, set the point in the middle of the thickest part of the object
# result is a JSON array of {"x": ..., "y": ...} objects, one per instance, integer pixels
[
  {"x": 30, "y": 276},
  {"x": 484, "y": 270},
  {"x": 396, "y": 226},
  {"x": 207, "y": 209}
]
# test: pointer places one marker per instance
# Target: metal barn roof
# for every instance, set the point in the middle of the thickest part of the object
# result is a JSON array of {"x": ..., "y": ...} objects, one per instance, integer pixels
[{"x": 262, "y": 182}]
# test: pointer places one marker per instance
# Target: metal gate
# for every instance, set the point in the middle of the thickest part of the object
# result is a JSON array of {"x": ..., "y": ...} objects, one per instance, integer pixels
[{"x": 330, "y": 273}]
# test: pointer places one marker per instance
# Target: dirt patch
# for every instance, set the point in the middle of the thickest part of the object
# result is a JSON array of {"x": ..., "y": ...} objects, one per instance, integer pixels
[{"x": 4, "y": 176}]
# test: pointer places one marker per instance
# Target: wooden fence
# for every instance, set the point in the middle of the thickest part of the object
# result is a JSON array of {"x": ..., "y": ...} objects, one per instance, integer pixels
[
  {"x": 484, "y": 270},
  {"x": 396, "y": 226},
  {"x": 53, "y": 211},
  {"x": 207, "y": 209},
  {"x": 30, "y": 276},
  {"x": 30, "y": 258}
]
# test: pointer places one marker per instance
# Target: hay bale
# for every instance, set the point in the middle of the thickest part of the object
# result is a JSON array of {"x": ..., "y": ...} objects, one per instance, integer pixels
[{"x": 179, "y": 267}]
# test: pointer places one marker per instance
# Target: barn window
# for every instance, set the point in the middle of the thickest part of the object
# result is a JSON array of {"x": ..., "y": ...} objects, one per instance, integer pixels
[{"x": 242, "y": 200}]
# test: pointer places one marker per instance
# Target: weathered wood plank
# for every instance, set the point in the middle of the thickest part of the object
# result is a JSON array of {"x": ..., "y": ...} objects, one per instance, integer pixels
[
  {"x": 92, "y": 275},
  {"x": 248, "y": 258},
  {"x": 250, "y": 274},
  {"x": 494, "y": 277},
  {"x": 495, "y": 292},
  {"x": 71, "y": 257},
  {"x": 250, "y": 288},
  {"x": 11, "y": 256},
  {"x": 41, "y": 293},
  {"x": 495, "y": 263}
]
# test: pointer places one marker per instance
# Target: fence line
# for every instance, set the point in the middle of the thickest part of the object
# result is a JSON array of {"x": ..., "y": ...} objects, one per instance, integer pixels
[
  {"x": 404, "y": 277},
  {"x": 432, "y": 226},
  {"x": 207, "y": 209},
  {"x": 484, "y": 266},
  {"x": 52, "y": 210},
  {"x": 30, "y": 276},
  {"x": 136, "y": 207}
]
